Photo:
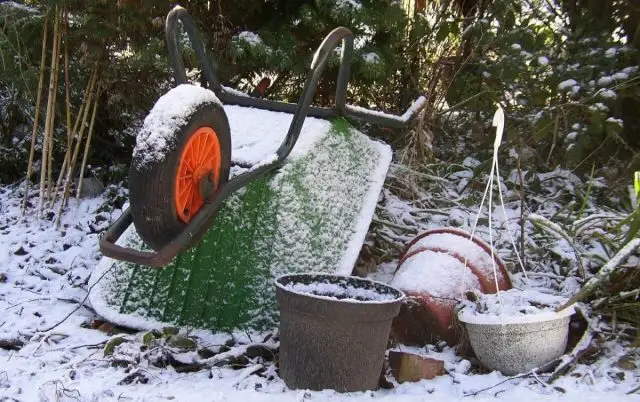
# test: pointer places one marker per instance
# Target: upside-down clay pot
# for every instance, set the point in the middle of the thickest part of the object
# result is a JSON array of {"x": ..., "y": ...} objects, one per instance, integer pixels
[{"x": 438, "y": 267}]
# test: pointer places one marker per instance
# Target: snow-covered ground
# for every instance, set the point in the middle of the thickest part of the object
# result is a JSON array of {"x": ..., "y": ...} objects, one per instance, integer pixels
[{"x": 53, "y": 350}]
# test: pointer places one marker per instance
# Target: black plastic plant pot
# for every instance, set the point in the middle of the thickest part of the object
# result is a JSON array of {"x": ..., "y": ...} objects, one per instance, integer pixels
[{"x": 334, "y": 330}]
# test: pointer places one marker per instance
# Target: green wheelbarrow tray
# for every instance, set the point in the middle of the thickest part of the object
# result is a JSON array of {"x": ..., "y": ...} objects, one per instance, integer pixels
[{"x": 292, "y": 208}]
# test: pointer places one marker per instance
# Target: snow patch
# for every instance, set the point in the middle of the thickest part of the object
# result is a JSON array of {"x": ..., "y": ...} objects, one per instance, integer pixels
[
  {"x": 567, "y": 84},
  {"x": 436, "y": 274},
  {"x": 417, "y": 104},
  {"x": 253, "y": 141},
  {"x": 605, "y": 81},
  {"x": 461, "y": 245},
  {"x": 342, "y": 4},
  {"x": 251, "y": 38},
  {"x": 608, "y": 93},
  {"x": 171, "y": 112},
  {"x": 620, "y": 76},
  {"x": 19, "y": 6},
  {"x": 371, "y": 58},
  {"x": 613, "y": 120}
]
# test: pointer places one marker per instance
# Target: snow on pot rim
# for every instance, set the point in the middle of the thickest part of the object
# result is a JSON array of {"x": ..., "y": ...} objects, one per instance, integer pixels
[
  {"x": 514, "y": 306},
  {"x": 511, "y": 319},
  {"x": 339, "y": 288}
]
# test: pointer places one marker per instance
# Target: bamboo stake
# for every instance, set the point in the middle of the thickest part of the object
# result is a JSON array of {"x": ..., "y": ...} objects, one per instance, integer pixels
[
  {"x": 67, "y": 85},
  {"x": 45, "y": 141},
  {"x": 74, "y": 132},
  {"x": 72, "y": 162},
  {"x": 53, "y": 112},
  {"x": 68, "y": 107},
  {"x": 36, "y": 117},
  {"x": 88, "y": 143}
]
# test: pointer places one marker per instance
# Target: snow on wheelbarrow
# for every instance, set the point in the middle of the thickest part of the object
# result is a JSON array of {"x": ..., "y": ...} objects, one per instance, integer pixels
[{"x": 438, "y": 267}]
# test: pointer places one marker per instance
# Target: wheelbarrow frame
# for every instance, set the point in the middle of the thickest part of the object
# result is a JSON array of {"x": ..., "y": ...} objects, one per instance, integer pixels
[{"x": 201, "y": 222}]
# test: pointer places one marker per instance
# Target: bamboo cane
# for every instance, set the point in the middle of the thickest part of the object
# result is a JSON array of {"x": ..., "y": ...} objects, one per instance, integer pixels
[
  {"x": 36, "y": 117},
  {"x": 45, "y": 141},
  {"x": 67, "y": 85},
  {"x": 53, "y": 113},
  {"x": 72, "y": 162},
  {"x": 88, "y": 143},
  {"x": 74, "y": 132},
  {"x": 68, "y": 108}
]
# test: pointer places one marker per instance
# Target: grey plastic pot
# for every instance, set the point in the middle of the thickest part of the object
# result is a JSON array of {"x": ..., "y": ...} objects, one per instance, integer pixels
[
  {"x": 518, "y": 344},
  {"x": 328, "y": 341}
]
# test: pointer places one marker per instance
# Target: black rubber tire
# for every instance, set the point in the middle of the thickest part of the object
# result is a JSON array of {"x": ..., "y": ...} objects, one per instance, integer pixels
[{"x": 151, "y": 189}]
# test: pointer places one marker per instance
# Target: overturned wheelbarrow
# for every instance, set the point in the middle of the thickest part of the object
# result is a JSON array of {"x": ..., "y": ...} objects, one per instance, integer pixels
[
  {"x": 438, "y": 267},
  {"x": 228, "y": 191}
]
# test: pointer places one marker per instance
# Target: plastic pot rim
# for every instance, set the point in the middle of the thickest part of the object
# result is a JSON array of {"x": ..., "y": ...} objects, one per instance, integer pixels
[
  {"x": 484, "y": 319},
  {"x": 401, "y": 295}
]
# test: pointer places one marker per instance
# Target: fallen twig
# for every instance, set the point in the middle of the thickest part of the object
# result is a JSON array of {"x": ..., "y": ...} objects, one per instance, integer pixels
[
  {"x": 395, "y": 225},
  {"x": 524, "y": 375},
  {"x": 633, "y": 391},
  {"x": 79, "y": 305},
  {"x": 569, "y": 361}
]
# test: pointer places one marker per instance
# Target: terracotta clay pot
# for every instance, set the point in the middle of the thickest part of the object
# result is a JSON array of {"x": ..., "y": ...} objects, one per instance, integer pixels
[{"x": 425, "y": 316}]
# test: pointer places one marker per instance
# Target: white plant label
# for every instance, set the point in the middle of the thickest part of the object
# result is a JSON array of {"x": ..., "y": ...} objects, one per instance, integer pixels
[{"x": 498, "y": 122}]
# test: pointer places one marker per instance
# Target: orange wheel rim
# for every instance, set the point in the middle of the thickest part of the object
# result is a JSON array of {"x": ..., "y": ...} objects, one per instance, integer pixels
[{"x": 200, "y": 158}]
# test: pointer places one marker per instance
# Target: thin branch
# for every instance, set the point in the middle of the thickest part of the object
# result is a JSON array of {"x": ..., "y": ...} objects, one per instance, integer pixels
[
  {"x": 80, "y": 304},
  {"x": 524, "y": 375}
]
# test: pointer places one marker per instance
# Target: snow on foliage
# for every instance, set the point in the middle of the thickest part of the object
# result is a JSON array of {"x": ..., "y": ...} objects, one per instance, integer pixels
[
  {"x": 567, "y": 84},
  {"x": 23, "y": 7},
  {"x": 611, "y": 52},
  {"x": 605, "y": 81},
  {"x": 250, "y": 37},
  {"x": 371, "y": 58},
  {"x": 342, "y": 4},
  {"x": 608, "y": 93}
]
